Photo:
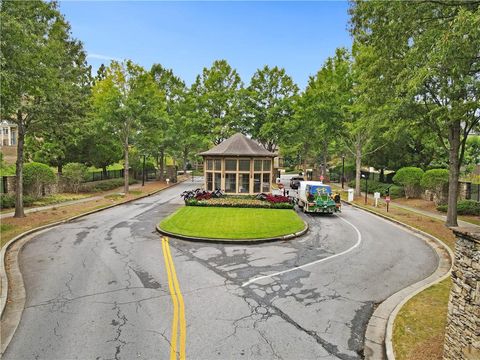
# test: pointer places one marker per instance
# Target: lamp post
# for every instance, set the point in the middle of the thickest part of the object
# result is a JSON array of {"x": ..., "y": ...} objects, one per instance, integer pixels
[
  {"x": 343, "y": 171},
  {"x": 143, "y": 171},
  {"x": 365, "y": 176}
]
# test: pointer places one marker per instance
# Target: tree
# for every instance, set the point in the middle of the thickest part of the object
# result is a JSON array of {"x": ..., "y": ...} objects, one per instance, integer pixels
[
  {"x": 217, "y": 97},
  {"x": 269, "y": 102},
  {"x": 119, "y": 100},
  {"x": 426, "y": 60},
  {"x": 43, "y": 72}
]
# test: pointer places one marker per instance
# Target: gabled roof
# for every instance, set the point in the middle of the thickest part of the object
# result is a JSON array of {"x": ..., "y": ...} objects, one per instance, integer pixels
[{"x": 238, "y": 145}]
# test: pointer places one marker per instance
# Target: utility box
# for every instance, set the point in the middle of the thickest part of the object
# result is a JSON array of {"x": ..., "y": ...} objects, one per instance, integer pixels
[{"x": 350, "y": 194}]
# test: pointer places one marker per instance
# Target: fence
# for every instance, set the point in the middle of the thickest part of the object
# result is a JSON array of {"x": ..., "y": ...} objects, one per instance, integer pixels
[{"x": 100, "y": 175}]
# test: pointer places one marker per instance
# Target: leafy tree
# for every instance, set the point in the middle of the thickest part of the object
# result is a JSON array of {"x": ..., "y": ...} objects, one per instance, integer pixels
[
  {"x": 268, "y": 105},
  {"x": 472, "y": 153},
  {"x": 425, "y": 61},
  {"x": 119, "y": 101},
  {"x": 410, "y": 178},
  {"x": 75, "y": 174},
  {"x": 217, "y": 95},
  {"x": 43, "y": 72}
]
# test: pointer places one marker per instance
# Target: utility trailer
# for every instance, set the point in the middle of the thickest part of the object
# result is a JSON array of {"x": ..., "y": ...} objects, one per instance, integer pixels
[{"x": 316, "y": 197}]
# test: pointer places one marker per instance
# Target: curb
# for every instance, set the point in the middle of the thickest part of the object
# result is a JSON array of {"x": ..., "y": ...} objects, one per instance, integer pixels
[
  {"x": 232, "y": 241},
  {"x": 27, "y": 235},
  {"x": 379, "y": 332}
]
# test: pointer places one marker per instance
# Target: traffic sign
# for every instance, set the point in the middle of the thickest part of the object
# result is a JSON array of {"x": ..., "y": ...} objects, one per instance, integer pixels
[
  {"x": 321, "y": 178},
  {"x": 387, "y": 199}
]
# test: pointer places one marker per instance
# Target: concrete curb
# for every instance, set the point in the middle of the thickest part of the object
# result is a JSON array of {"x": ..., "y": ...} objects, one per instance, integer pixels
[
  {"x": 10, "y": 324},
  {"x": 379, "y": 332},
  {"x": 232, "y": 241}
]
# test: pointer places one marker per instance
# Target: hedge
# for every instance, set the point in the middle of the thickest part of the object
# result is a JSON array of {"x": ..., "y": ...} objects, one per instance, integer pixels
[
  {"x": 239, "y": 203},
  {"x": 464, "y": 207},
  {"x": 105, "y": 185},
  {"x": 36, "y": 176},
  {"x": 377, "y": 186},
  {"x": 74, "y": 175},
  {"x": 7, "y": 201},
  {"x": 409, "y": 177}
]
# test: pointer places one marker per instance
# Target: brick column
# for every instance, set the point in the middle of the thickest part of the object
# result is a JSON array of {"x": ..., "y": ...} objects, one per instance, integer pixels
[{"x": 462, "y": 335}]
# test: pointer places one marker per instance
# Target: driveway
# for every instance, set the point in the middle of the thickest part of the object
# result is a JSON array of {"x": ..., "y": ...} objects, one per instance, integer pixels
[{"x": 97, "y": 288}]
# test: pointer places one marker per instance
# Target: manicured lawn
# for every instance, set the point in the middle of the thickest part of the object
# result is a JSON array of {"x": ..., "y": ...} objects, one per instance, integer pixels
[{"x": 232, "y": 223}]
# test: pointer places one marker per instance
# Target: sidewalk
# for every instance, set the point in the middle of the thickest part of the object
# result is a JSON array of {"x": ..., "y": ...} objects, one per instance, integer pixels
[
  {"x": 419, "y": 211},
  {"x": 67, "y": 203}
]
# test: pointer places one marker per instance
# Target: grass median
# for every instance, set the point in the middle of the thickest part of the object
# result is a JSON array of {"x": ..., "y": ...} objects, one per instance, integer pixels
[{"x": 232, "y": 223}]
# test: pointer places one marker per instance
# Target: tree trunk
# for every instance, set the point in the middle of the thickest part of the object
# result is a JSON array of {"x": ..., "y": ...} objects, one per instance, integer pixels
[
  {"x": 162, "y": 164},
  {"x": 454, "y": 169},
  {"x": 185, "y": 159},
  {"x": 104, "y": 170},
  {"x": 59, "y": 167},
  {"x": 19, "y": 213},
  {"x": 382, "y": 175},
  {"x": 358, "y": 168},
  {"x": 125, "y": 171}
]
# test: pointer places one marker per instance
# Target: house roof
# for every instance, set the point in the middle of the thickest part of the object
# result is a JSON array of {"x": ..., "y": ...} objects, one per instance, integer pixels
[{"x": 238, "y": 145}]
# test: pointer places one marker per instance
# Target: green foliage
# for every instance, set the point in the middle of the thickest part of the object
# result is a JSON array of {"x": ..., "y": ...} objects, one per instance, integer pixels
[
  {"x": 435, "y": 179},
  {"x": 75, "y": 174},
  {"x": 105, "y": 185},
  {"x": 376, "y": 186},
  {"x": 7, "y": 201},
  {"x": 268, "y": 106},
  {"x": 410, "y": 178},
  {"x": 36, "y": 176},
  {"x": 464, "y": 207},
  {"x": 238, "y": 202}
]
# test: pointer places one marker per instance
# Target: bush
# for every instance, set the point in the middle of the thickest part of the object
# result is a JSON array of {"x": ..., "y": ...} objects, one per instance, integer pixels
[
  {"x": 436, "y": 180},
  {"x": 7, "y": 201},
  {"x": 410, "y": 178},
  {"x": 75, "y": 174},
  {"x": 464, "y": 207},
  {"x": 239, "y": 202},
  {"x": 377, "y": 186},
  {"x": 36, "y": 176},
  {"x": 105, "y": 185}
]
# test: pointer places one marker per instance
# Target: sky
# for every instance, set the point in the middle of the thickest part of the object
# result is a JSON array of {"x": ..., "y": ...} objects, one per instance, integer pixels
[{"x": 188, "y": 36}]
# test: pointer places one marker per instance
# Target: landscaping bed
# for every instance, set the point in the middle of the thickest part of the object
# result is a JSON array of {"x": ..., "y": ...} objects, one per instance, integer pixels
[
  {"x": 232, "y": 223},
  {"x": 243, "y": 201}
]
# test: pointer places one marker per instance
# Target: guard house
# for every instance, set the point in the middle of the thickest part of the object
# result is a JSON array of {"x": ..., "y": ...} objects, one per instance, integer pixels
[{"x": 238, "y": 165}]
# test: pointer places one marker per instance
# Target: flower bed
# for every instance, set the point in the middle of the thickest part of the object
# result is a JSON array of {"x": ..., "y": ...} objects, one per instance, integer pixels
[{"x": 271, "y": 202}]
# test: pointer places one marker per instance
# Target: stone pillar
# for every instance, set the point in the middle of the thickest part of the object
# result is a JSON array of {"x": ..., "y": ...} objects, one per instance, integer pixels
[{"x": 462, "y": 335}]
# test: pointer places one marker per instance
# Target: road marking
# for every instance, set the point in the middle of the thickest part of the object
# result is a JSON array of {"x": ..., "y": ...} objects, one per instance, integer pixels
[
  {"x": 359, "y": 240},
  {"x": 178, "y": 305}
]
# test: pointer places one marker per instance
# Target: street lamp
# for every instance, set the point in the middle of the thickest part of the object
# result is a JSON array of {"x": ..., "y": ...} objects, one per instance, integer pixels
[
  {"x": 343, "y": 171},
  {"x": 365, "y": 176},
  {"x": 143, "y": 171}
]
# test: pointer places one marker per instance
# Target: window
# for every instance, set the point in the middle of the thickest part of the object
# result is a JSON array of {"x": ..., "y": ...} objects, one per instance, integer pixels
[
  {"x": 5, "y": 131},
  {"x": 230, "y": 165},
  {"x": 244, "y": 165},
  {"x": 218, "y": 181},
  {"x": 209, "y": 181},
  {"x": 266, "y": 183},
  {"x": 266, "y": 165},
  {"x": 218, "y": 165},
  {"x": 257, "y": 165},
  {"x": 209, "y": 164},
  {"x": 230, "y": 183},
  {"x": 13, "y": 137},
  {"x": 244, "y": 183},
  {"x": 257, "y": 179}
]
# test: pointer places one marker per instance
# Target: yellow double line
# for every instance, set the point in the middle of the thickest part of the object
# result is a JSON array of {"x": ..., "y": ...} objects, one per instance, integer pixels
[{"x": 178, "y": 305}]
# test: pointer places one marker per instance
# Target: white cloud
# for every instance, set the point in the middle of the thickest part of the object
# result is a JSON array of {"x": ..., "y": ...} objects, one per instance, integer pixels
[{"x": 101, "y": 57}]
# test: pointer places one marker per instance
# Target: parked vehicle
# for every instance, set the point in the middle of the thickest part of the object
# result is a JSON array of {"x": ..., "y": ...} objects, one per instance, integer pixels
[
  {"x": 315, "y": 196},
  {"x": 295, "y": 182}
]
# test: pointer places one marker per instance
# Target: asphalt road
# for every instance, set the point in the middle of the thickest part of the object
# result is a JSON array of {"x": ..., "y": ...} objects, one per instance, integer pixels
[{"x": 97, "y": 288}]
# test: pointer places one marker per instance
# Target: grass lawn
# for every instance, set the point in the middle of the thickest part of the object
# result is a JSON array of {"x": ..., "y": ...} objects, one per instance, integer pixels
[{"x": 232, "y": 223}]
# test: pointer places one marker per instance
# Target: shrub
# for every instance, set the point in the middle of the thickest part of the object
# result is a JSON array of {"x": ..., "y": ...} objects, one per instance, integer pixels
[
  {"x": 436, "y": 180},
  {"x": 105, "y": 185},
  {"x": 36, "y": 176},
  {"x": 464, "y": 207},
  {"x": 75, "y": 174},
  {"x": 7, "y": 201},
  {"x": 245, "y": 202},
  {"x": 410, "y": 178}
]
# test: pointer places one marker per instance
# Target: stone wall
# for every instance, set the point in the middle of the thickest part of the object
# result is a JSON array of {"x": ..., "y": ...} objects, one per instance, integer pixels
[{"x": 462, "y": 337}]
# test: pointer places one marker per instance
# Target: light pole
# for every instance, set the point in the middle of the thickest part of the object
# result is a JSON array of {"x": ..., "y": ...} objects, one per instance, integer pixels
[
  {"x": 365, "y": 176},
  {"x": 343, "y": 171},
  {"x": 143, "y": 171}
]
